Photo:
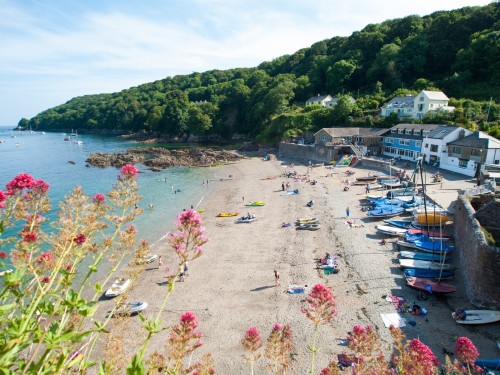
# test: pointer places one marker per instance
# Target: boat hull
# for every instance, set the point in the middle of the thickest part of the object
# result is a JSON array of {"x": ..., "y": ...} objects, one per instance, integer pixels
[
  {"x": 479, "y": 317},
  {"x": 427, "y": 285}
]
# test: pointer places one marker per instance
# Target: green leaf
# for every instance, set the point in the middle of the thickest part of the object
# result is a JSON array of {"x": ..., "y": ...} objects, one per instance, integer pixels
[{"x": 136, "y": 367}]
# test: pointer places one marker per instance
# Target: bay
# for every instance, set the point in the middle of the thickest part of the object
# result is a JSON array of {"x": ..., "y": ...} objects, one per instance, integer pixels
[{"x": 62, "y": 164}]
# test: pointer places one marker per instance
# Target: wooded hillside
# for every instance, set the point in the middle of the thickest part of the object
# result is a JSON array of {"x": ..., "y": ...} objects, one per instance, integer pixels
[{"x": 457, "y": 52}]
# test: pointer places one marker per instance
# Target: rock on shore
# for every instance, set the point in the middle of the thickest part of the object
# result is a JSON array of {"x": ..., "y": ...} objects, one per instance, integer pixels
[{"x": 158, "y": 158}]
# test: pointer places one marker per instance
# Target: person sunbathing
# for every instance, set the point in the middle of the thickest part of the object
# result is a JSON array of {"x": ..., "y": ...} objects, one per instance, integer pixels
[{"x": 460, "y": 314}]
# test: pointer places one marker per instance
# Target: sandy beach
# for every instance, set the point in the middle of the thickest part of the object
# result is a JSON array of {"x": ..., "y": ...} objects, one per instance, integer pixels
[{"x": 232, "y": 286}]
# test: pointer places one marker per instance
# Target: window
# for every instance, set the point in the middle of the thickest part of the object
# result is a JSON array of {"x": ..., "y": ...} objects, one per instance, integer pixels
[
  {"x": 401, "y": 131},
  {"x": 434, "y": 148},
  {"x": 422, "y": 98},
  {"x": 323, "y": 138},
  {"x": 389, "y": 140},
  {"x": 393, "y": 131},
  {"x": 462, "y": 163},
  {"x": 475, "y": 152},
  {"x": 401, "y": 152},
  {"x": 416, "y": 132},
  {"x": 404, "y": 142},
  {"x": 418, "y": 144},
  {"x": 457, "y": 150},
  {"x": 432, "y": 105},
  {"x": 360, "y": 140}
]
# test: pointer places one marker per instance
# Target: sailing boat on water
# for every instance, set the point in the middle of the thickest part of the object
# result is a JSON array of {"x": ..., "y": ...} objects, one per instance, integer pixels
[{"x": 74, "y": 133}]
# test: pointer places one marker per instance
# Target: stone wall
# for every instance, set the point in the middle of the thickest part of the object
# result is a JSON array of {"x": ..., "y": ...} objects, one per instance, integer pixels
[
  {"x": 479, "y": 262},
  {"x": 306, "y": 153}
]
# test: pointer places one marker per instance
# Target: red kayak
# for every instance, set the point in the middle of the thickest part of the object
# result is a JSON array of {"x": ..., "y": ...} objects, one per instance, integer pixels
[
  {"x": 428, "y": 233},
  {"x": 430, "y": 286}
]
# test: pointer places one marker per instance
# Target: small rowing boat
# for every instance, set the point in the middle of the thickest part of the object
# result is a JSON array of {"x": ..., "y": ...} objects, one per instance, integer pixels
[
  {"x": 478, "y": 317},
  {"x": 227, "y": 214}
]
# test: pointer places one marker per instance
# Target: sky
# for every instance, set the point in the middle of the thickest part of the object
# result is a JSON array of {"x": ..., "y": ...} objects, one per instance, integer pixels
[{"x": 54, "y": 50}]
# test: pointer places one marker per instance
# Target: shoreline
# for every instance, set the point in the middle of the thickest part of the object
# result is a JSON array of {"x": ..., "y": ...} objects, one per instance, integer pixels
[{"x": 231, "y": 287}]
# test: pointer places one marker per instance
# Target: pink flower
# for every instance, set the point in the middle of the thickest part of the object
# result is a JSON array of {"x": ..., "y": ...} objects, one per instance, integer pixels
[
  {"x": 46, "y": 258},
  {"x": 20, "y": 182},
  {"x": 466, "y": 351},
  {"x": 128, "y": 171},
  {"x": 99, "y": 198},
  {"x": 188, "y": 320},
  {"x": 320, "y": 306},
  {"x": 40, "y": 187},
  {"x": 252, "y": 340},
  {"x": 423, "y": 359},
  {"x": 2, "y": 196},
  {"x": 189, "y": 217},
  {"x": 46, "y": 279},
  {"x": 131, "y": 229},
  {"x": 3, "y": 255},
  {"x": 30, "y": 237},
  {"x": 80, "y": 239},
  {"x": 69, "y": 267}
]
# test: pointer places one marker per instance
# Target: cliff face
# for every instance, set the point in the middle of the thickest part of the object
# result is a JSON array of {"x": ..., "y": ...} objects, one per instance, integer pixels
[{"x": 158, "y": 158}]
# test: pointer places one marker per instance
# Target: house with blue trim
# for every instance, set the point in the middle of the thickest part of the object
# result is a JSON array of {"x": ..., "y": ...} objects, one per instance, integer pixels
[
  {"x": 404, "y": 141},
  {"x": 415, "y": 107}
]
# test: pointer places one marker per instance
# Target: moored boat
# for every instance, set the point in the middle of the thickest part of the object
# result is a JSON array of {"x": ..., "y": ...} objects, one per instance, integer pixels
[
  {"x": 118, "y": 287},
  {"x": 424, "y": 264},
  {"x": 428, "y": 274},
  {"x": 433, "y": 246},
  {"x": 309, "y": 226},
  {"x": 424, "y": 256},
  {"x": 131, "y": 308},
  {"x": 405, "y": 224},
  {"x": 391, "y": 231},
  {"x": 427, "y": 285},
  {"x": 478, "y": 317},
  {"x": 386, "y": 212},
  {"x": 432, "y": 218}
]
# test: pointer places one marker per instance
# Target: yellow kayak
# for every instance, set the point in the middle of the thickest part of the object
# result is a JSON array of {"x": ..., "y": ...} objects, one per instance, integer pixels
[
  {"x": 433, "y": 218},
  {"x": 227, "y": 214},
  {"x": 258, "y": 203}
]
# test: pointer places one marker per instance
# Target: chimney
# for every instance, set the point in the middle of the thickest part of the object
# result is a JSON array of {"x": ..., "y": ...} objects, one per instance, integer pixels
[{"x": 461, "y": 134}]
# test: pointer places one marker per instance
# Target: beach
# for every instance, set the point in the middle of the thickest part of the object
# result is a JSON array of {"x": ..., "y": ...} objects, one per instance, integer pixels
[{"x": 231, "y": 287}]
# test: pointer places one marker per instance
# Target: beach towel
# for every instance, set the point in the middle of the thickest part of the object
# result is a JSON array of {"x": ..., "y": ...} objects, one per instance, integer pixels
[
  {"x": 393, "y": 319},
  {"x": 400, "y": 303}
]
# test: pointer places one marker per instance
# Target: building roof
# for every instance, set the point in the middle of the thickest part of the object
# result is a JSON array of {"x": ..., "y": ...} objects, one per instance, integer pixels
[
  {"x": 354, "y": 131},
  {"x": 442, "y": 131},
  {"x": 435, "y": 95},
  {"x": 400, "y": 102},
  {"x": 477, "y": 140},
  {"x": 410, "y": 127},
  {"x": 317, "y": 98}
]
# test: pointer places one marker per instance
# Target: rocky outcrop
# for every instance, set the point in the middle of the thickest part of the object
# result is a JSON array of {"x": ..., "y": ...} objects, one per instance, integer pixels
[{"x": 158, "y": 158}]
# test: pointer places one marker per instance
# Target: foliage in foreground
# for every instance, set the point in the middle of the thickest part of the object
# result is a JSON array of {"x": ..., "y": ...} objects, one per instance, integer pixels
[{"x": 46, "y": 313}]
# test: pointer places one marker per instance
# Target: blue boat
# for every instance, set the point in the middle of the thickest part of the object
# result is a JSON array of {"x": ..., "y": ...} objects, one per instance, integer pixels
[
  {"x": 428, "y": 274},
  {"x": 433, "y": 246},
  {"x": 489, "y": 364},
  {"x": 424, "y": 256},
  {"x": 386, "y": 212}
]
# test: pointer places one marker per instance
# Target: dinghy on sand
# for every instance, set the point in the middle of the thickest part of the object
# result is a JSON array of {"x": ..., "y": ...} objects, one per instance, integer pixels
[{"x": 478, "y": 317}]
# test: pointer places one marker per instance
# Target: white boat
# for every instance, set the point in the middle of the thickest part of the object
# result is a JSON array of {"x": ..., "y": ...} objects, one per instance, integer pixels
[
  {"x": 131, "y": 308},
  {"x": 118, "y": 287},
  {"x": 424, "y": 264},
  {"x": 78, "y": 142},
  {"x": 391, "y": 231},
  {"x": 309, "y": 226},
  {"x": 478, "y": 317},
  {"x": 150, "y": 258}
]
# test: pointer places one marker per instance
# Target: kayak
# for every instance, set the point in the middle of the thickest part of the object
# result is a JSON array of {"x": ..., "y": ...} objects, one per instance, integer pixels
[
  {"x": 227, "y": 214},
  {"x": 255, "y": 204}
]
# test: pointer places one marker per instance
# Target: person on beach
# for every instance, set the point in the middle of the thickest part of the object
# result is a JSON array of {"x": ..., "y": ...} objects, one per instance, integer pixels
[
  {"x": 367, "y": 190},
  {"x": 186, "y": 268},
  {"x": 181, "y": 276},
  {"x": 160, "y": 263},
  {"x": 460, "y": 314},
  {"x": 283, "y": 186},
  {"x": 276, "y": 278},
  {"x": 347, "y": 212},
  {"x": 243, "y": 199}
]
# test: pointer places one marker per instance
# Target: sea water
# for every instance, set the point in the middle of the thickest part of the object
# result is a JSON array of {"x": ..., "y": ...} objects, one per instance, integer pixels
[{"x": 63, "y": 165}]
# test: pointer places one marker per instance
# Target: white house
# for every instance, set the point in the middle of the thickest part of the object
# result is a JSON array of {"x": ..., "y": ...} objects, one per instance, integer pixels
[
  {"x": 332, "y": 103},
  {"x": 434, "y": 146},
  {"x": 415, "y": 107},
  {"x": 322, "y": 100},
  {"x": 469, "y": 154}
]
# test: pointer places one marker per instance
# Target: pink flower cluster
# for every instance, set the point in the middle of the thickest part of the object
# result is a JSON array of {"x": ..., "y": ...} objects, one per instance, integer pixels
[
  {"x": 189, "y": 236},
  {"x": 26, "y": 181},
  {"x": 129, "y": 171},
  {"x": 466, "y": 351},
  {"x": 79, "y": 239},
  {"x": 47, "y": 258},
  {"x": 99, "y": 198},
  {"x": 320, "y": 306},
  {"x": 182, "y": 334},
  {"x": 252, "y": 340},
  {"x": 2, "y": 199},
  {"x": 423, "y": 361}
]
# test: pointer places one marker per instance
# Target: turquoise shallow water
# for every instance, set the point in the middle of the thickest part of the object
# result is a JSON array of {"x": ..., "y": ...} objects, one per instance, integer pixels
[{"x": 47, "y": 156}]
